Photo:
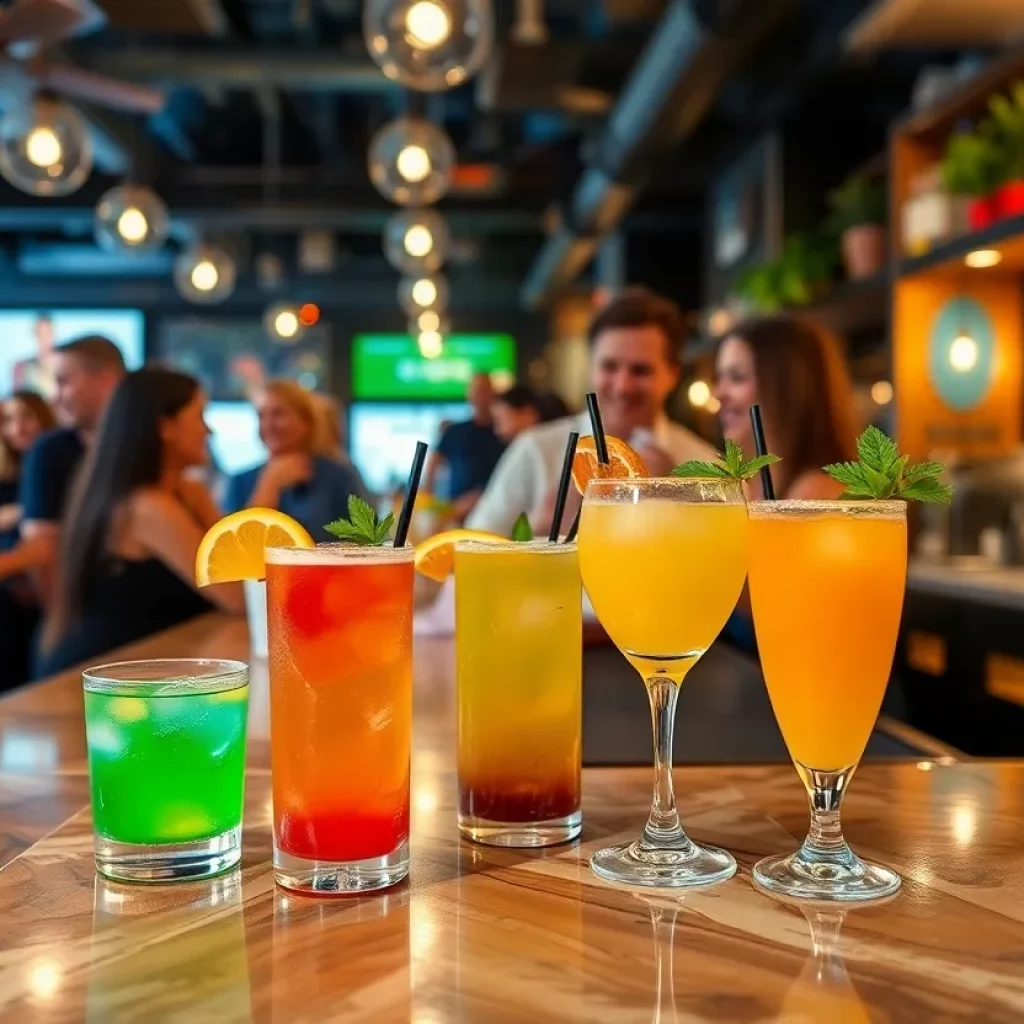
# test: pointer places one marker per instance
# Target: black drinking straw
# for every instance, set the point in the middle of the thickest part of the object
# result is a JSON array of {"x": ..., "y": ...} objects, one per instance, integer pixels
[
  {"x": 563, "y": 487},
  {"x": 762, "y": 449},
  {"x": 598, "y": 429},
  {"x": 601, "y": 446},
  {"x": 405, "y": 516}
]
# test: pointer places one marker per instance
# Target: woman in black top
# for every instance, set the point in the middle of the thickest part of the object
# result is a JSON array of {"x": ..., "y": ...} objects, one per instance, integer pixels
[{"x": 134, "y": 525}]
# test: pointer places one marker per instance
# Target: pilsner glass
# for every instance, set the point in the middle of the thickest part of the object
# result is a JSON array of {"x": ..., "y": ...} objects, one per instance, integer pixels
[
  {"x": 518, "y": 648},
  {"x": 826, "y": 585},
  {"x": 663, "y": 561},
  {"x": 340, "y": 629}
]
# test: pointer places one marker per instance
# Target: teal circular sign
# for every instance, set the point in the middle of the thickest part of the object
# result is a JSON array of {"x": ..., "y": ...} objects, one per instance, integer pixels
[{"x": 961, "y": 353}]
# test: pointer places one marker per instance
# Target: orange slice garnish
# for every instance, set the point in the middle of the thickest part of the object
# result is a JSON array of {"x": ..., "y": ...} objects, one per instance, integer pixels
[
  {"x": 233, "y": 548},
  {"x": 435, "y": 556},
  {"x": 623, "y": 463}
]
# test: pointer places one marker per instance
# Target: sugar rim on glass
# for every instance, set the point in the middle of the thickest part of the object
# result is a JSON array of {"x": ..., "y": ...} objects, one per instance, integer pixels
[
  {"x": 615, "y": 490},
  {"x": 853, "y": 508},
  {"x": 167, "y": 677},
  {"x": 341, "y": 554},
  {"x": 496, "y": 547}
]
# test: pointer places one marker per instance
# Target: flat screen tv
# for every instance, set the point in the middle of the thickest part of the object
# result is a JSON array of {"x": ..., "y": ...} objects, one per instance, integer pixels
[
  {"x": 389, "y": 367},
  {"x": 28, "y": 338}
]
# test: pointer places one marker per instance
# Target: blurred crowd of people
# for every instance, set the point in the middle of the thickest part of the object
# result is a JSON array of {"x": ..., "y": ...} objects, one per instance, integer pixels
[{"x": 105, "y": 496}]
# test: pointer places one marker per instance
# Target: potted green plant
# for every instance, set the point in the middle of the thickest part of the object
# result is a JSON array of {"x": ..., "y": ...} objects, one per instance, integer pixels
[
  {"x": 971, "y": 168},
  {"x": 857, "y": 216},
  {"x": 801, "y": 272},
  {"x": 1005, "y": 125}
]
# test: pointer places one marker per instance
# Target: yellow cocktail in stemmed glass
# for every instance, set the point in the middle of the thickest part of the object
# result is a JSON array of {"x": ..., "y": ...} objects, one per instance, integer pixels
[{"x": 663, "y": 561}]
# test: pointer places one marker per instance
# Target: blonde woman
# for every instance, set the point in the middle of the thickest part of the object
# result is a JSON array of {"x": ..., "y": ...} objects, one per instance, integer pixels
[{"x": 297, "y": 478}]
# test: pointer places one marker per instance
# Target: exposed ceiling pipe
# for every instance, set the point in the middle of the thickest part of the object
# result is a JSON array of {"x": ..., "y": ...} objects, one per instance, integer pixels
[
  {"x": 313, "y": 69},
  {"x": 530, "y": 28},
  {"x": 667, "y": 95}
]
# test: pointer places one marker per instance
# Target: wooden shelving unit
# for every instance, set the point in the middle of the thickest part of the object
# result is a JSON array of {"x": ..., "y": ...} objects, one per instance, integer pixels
[
  {"x": 974, "y": 411},
  {"x": 1003, "y": 235}
]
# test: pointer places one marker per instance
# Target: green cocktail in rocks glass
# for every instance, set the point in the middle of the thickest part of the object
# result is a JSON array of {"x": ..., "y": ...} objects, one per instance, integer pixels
[{"x": 166, "y": 767}]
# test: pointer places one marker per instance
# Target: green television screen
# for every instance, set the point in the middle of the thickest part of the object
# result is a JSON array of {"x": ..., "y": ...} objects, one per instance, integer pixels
[{"x": 390, "y": 366}]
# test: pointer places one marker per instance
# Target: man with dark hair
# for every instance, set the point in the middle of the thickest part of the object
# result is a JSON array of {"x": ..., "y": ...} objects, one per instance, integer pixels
[
  {"x": 86, "y": 372},
  {"x": 635, "y": 361},
  {"x": 514, "y": 411},
  {"x": 469, "y": 450}
]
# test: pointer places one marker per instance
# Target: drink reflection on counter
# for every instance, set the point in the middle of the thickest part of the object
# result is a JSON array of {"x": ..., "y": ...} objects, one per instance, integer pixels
[
  {"x": 824, "y": 991},
  {"x": 548, "y": 939},
  {"x": 663, "y": 932},
  {"x": 344, "y": 958},
  {"x": 169, "y": 952}
]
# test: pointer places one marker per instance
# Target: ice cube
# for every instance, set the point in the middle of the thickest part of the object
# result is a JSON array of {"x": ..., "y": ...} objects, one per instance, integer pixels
[
  {"x": 179, "y": 823},
  {"x": 534, "y": 613},
  {"x": 105, "y": 739},
  {"x": 126, "y": 709},
  {"x": 238, "y": 694},
  {"x": 380, "y": 719}
]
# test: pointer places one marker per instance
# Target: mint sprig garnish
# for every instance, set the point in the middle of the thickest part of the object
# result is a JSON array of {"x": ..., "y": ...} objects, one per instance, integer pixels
[
  {"x": 522, "y": 531},
  {"x": 362, "y": 526},
  {"x": 882, "y": 473},
  {"x": 730, "y": 466}
]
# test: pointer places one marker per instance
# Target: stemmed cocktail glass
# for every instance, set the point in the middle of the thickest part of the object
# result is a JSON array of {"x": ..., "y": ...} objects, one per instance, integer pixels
[
  {"x": 826, "y": 584},
  {"x": 663, "y": 561}
]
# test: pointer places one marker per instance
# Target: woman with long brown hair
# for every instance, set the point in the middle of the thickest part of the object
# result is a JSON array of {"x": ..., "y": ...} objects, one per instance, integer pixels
[
  {"x": 24, "y": 417},
  {"x": 137, "y": 517},
  {"x": 794, "y": 370}
]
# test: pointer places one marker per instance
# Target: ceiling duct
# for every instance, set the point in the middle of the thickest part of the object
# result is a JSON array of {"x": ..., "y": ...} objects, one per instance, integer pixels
[
  {"x": 530, "y": 28},
  {"x": 692, "y": 51}
]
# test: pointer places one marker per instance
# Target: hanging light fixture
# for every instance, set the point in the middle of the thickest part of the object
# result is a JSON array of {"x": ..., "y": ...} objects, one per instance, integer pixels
[
  {"x": 423, "y": 292},
  {"x": 411, "y": 161},
  {"x": 416, "y": 241},
  {"x": 45, "y": 148},
  {"x": 205, "y": 274},
  {"x": 131, "y": 217},
  {"x": 429, "y": 45},
  {"x": 283, "y": 322},
  {"x": 428, "y": 320},
  {"x": 431, "y": 344}
]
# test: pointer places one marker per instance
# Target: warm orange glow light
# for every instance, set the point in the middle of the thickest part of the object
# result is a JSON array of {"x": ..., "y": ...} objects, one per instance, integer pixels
[{"x": 309, "y": 314}]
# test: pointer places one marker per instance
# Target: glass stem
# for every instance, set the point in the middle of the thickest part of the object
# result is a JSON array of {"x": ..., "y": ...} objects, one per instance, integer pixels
[
  {"x": 826, "y": 791},
  {"x": 663, "y": 829}
]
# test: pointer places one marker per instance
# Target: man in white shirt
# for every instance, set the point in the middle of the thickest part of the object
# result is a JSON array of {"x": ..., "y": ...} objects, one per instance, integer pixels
[{"x": 635, "y": 362}]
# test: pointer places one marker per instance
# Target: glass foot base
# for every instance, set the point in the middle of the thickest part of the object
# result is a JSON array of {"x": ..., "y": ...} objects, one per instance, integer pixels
[
  {"x": 840, "y": 877},
  {"x": 521, "y": 833},
  {"x": 638, "y": 863},
  {"x": 168, "y": 862},
  {"x": 328, "y": 877}
]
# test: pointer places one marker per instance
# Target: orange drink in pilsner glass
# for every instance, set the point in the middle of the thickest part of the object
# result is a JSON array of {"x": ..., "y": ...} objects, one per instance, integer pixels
[
  {"x": 826, "y": 585},
  {"x": 340, "y": 638}
]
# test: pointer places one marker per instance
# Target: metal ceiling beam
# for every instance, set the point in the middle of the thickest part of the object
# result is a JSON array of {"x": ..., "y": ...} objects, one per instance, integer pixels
[
  {"x": 331, "y": 292},
  {"x": 357, "y": 220},
  {"x": 240, "y": 67}
]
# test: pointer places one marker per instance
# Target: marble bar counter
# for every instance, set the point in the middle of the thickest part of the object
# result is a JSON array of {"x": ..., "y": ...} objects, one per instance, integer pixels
[{"x": 487, "y": 935}]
